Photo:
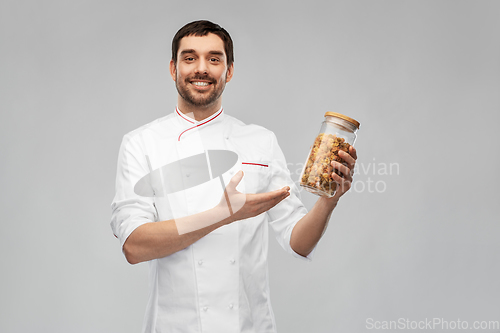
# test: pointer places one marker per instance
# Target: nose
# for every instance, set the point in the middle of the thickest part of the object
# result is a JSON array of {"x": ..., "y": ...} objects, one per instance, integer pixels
[{"x": 202, "y": 67}]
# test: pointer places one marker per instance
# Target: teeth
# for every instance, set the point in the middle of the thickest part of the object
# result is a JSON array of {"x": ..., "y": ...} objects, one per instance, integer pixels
[{"x": 197, "y": 83}]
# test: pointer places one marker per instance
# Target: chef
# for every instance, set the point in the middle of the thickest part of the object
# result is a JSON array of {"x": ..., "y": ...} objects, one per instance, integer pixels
[{"x": 205, "y": 232}]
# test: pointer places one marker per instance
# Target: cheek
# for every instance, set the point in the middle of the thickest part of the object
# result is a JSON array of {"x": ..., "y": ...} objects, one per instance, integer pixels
[
  {"x": 182, "y": 72},
  {"x": 221, "y": 77}
]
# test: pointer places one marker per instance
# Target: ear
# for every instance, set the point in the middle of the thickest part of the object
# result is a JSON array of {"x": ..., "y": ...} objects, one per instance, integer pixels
[
  {"x": 230, "y": 72},
  {"x": 173, "y": 70}
]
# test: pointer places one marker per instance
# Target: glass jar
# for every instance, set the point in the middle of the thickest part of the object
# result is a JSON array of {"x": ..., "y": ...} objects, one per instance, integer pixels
[{"x": 338, "y": 132}]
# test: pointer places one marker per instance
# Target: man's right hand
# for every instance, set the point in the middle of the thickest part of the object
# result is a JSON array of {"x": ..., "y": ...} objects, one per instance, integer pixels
[
  {"x": 243, "y": 206},
  {"x": 159, "y": 239}
]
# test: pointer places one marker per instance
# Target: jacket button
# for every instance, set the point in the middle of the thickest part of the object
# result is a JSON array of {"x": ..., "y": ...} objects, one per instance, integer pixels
[
  {"x": 231, "y": 305},
  {"x": 200, "y": 262},
  {"x": 205, "y": 308},
  {"x": 232, "y": 261}
]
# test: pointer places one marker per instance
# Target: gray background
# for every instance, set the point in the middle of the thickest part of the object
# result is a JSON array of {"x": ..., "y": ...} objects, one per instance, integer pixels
[{"x": 422, "y": 77}]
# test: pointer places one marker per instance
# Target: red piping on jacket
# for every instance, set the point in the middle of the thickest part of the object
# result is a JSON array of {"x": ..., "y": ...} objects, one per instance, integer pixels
[
  {"x": 179, "y": 139},
  {"x": 185, "y": 118},
  {"x": 264, "y": 165}
]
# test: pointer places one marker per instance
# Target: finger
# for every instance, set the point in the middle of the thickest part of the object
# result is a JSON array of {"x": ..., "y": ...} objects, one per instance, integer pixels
[
  {"x": 283, "y": 197},
  {"x": 280, "y": 190},
  {"x": 265, "y": 205},
  {"x": 343, "y": 184},
  {"x": 235, "y": 180},
  {"x": 277, "y": 194},
  {"x": 285, "y": 189},
  {"x": 347, "y": 158},
  {"x": 284, "y": 192},
  {"x": 353, "y": 152},
  {"x": 351, "y": 163},
  {"x": 276, "y": 200},
  {"x": 342, "y": 168}
]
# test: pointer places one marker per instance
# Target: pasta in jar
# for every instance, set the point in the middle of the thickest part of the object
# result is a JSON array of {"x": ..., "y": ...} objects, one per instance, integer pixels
[{"x": 337, "y": 133}]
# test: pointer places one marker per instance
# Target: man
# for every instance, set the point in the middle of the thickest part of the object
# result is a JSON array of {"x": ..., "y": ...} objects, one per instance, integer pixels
[{"x": 207, "y": 244}]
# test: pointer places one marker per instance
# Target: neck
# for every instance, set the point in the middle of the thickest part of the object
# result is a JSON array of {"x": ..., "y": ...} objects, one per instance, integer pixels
[{"x": 198, "y": 112}]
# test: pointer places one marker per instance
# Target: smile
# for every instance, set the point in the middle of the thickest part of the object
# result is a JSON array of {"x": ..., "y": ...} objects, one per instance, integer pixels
[{"x": 201, "y": 83}]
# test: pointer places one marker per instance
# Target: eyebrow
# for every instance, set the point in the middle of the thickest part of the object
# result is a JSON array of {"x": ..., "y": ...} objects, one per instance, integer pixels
[
  {"x": 188, "y": 51},
  {"x": 219, "y": 53}
]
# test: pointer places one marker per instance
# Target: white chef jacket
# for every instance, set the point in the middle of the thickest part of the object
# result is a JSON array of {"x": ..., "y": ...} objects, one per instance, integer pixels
[{"x": 219, "y": 284}]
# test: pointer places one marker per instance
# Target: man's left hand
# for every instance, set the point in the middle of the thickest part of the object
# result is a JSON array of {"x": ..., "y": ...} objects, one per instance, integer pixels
[{"x": 344, "y": 182}]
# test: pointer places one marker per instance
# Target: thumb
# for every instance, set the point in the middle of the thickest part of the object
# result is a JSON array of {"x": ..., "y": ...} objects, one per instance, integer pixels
[{"x": 235, "y": 180}]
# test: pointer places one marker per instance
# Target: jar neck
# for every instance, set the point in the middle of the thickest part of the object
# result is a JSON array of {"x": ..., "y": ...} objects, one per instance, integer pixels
[{"x": 342, "y": 123}]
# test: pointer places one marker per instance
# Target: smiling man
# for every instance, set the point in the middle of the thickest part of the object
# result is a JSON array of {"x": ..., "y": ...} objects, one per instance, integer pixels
[{"x": 207, "y": 244}]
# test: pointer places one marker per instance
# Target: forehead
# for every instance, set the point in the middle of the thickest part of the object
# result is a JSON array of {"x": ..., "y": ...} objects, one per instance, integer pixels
[{"x": 201, "y": 44}]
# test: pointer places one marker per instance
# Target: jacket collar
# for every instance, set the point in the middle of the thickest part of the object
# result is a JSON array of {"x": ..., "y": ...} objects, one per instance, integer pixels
[
  {"x": 186, "y": 120},
  {"x": 192, "y": 123}
]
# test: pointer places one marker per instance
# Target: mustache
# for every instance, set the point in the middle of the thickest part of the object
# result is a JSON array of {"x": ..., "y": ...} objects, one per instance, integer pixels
[{"x": 201, "y": 77}]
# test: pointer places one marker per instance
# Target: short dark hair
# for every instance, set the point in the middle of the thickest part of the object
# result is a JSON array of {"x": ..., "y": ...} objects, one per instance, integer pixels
[{"x": 203, "y": 28}]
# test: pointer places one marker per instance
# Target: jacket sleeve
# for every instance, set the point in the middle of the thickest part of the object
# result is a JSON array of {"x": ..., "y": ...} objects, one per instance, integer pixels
[
  {"x": 285, "y": 215},
  {"x": 129, "y": 210}
]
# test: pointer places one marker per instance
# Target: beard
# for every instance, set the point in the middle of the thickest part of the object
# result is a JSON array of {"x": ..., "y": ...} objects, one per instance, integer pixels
[{"x": 200, "y": 98}]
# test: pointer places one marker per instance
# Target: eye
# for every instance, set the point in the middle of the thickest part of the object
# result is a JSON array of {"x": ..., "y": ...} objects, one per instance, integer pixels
[{"x": 214, "y": 59}]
